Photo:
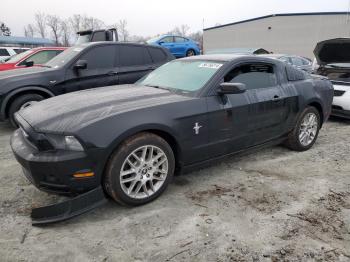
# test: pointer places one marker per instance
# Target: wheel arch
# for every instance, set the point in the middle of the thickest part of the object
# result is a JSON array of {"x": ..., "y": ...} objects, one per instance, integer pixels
[
  {"x": 161, "y": 131},
  {"x": 319, "y": 108},
  {"x": 22, "y": 91}
]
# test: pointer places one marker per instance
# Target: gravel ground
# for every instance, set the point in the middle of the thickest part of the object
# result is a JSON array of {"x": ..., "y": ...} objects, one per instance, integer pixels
[{"x": 271, "y": 205}]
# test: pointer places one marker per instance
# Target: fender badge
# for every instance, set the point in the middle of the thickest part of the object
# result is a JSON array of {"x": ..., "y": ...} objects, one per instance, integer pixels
[
  {"x": 196, "y": 128},
  {"x": 53, "y": 81}
]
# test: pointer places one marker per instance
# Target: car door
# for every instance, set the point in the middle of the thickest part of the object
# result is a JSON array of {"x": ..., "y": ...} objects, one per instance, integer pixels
[
  {"x": 169, "y": 43},
  {"x": 134, "y": 62},
  {"x": 268, "y": 108},
  {"x": 101, "y": 69},
  {"x": 181, "y": 45},
  {"x": 256, "y": 116}
]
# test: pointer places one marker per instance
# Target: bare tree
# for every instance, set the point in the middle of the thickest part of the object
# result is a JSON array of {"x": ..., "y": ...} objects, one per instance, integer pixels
[
  {"x": 40, "y": 24},
  {"x": 4, "y": 30},
  {"x": 54, "y": 23},
  {"x": 29, "y": 30},
  {"x": 66, "y": 32},
  {"x": 75, "y": 23},
  {"x": 89, "y": 22},
  {"x": 122, "y": 30},
  {"x": 184, "y": 29}
]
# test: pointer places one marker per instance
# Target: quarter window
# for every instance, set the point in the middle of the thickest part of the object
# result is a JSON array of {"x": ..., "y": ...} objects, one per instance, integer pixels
[{"x": 254, "y": 76}]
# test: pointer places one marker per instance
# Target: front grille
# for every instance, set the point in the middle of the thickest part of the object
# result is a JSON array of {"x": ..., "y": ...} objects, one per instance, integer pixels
[{"x": 338, "y": 92}]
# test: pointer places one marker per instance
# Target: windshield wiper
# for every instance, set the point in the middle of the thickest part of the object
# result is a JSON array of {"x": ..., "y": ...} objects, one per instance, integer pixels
[
  {"x": 160, "y": 87},
  {"x": 46, "y": 66}
]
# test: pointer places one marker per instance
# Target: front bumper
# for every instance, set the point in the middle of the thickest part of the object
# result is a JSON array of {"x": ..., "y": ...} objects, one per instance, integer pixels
[
  {"x": 340, "y": 112},
  {"x": 53, "y": 171},
  {"x": 341, "y": 101}
]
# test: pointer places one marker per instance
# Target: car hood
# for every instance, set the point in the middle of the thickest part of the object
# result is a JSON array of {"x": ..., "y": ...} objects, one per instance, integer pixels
[
  {"x": 71, "y": 112},
  {"x": 23, "y": 72},
  {"x": 333, "y": 51},
  {"x": 7, "y": 66}
]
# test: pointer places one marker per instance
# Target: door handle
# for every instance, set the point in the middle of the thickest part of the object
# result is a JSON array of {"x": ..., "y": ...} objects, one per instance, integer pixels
[{"x": 112, "y": 73}]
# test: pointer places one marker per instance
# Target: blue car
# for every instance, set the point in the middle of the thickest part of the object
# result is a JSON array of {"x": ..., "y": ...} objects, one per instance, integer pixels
[{"x": 179, "y": 46}]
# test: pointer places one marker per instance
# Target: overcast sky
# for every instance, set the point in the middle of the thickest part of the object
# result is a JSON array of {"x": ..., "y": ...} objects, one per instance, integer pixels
[{"x": 152, "y": 17}]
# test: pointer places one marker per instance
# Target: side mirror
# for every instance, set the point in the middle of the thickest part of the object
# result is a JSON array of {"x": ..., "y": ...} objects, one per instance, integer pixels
[
  {"x": 231, "y": 88},
  {"x": 29, "y": 63},
  {"x": 80, "y": 64},
  {"x": 160, "y": 42}
]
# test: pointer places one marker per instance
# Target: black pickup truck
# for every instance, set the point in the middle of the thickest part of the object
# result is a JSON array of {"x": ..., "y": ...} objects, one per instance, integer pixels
[
  {"x": 130, "y": 140},
  {"x": 80, "y": 67}
]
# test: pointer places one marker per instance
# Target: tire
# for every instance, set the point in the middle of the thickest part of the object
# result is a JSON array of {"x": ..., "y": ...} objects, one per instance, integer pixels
[
  {"x": 19, "y": 102},
  {"x": 190, "y": 52},
  {"x": 294, "y": 140},
  {"x": 142, "y": 178}
]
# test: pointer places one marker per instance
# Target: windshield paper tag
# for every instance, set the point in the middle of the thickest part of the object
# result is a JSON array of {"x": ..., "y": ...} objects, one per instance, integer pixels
[{"x": 210, "y": 65}]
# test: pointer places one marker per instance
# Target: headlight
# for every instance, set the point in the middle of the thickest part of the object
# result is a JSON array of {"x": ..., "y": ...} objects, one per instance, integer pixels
[{"x": 65, "y": 142}]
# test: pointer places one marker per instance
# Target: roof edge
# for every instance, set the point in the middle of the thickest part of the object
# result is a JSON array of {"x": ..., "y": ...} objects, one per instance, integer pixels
[{"x": 274, "y": 15}]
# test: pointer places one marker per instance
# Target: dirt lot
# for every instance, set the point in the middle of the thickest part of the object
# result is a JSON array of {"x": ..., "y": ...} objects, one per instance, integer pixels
[{"x": 272, "y": 205}]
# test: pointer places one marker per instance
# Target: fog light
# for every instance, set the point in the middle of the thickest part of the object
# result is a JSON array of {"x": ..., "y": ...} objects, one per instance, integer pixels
[{"x": 84, "y": 175}]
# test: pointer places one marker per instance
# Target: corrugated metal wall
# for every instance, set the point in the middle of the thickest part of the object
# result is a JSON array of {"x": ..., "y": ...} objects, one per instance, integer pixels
[{"x": 288, "y": 34}]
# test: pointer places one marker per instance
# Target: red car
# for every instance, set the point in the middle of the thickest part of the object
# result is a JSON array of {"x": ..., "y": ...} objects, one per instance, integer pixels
[{"x": 36, "y": 56}]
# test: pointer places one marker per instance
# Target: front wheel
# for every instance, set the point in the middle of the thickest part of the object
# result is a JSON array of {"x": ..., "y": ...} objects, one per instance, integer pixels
[
  {"x": 190, "y": 53},
  {"x": 140, "y": 169},
  {"x": 305, "y": 133},
  {"x": 22, "y": 102}
]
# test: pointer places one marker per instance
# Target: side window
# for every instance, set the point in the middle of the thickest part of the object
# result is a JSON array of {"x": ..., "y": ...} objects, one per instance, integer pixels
[
  {"x": 133, "y": 55},
  {"x": 41, "y": 57},
  {"x": 18, "y": 50},
  {"x": 4, "y": 52},
  {"x": 99, "y": 57},
  {"x": 157, "y": 54},
  {"x": 167, "y": 39},
  {"x": 253, "y": 76},
  {"x": 179, "y": 39}
]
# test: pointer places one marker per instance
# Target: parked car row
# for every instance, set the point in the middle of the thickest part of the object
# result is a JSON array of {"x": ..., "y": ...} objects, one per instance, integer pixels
[{"x": 126, "y": 117}]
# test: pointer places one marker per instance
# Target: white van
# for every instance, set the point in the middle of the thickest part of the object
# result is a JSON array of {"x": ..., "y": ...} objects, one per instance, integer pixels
[{"x": 7, "y": 52}]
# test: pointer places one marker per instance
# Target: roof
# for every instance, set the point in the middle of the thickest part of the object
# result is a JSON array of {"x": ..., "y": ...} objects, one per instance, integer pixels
[
  {"x": 25, "y": 40},
  {"x": 217, "y": 57},
  {"x": 247, "y": 50},
  {"x": 275, "y": 15}
]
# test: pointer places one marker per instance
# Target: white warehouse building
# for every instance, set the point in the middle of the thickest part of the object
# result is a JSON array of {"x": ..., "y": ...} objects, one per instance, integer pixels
[{"x": 280, "y": 33}]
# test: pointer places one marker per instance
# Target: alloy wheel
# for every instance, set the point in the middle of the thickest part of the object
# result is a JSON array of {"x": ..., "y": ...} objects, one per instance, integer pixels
[
  {"x": 308, "y": 129},
  {"x": 144, "y": 171}
]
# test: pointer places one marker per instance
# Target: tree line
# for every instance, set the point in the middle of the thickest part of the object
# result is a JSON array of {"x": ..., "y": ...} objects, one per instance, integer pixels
[{"x": 63, "y": 31}]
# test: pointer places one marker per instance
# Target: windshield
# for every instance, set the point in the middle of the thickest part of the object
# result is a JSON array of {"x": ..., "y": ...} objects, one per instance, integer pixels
[
  {"x": 18, "y": 57},
  {"x": 185, "y": 76},
  {"x": 64, "y": 57}
]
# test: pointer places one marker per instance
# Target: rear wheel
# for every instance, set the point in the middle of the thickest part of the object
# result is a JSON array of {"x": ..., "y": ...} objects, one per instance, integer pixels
[
  {"x": 305, "y": 133},
  {"x": 22, "y": 102},
  {"x": 140, "y": 170},
  {"x": 190, "y": 52}
]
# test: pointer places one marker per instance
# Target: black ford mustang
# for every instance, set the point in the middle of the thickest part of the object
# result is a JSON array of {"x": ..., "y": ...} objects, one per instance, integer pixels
[{"x": 132, "y": 138}]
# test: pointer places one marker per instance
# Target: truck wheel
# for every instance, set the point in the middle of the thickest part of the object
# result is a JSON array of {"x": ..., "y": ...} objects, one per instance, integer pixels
[
  {"x": 139, "y": 170},
  {"x": 20, "y": 103},
  {"x": 305, "y": 133}
]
